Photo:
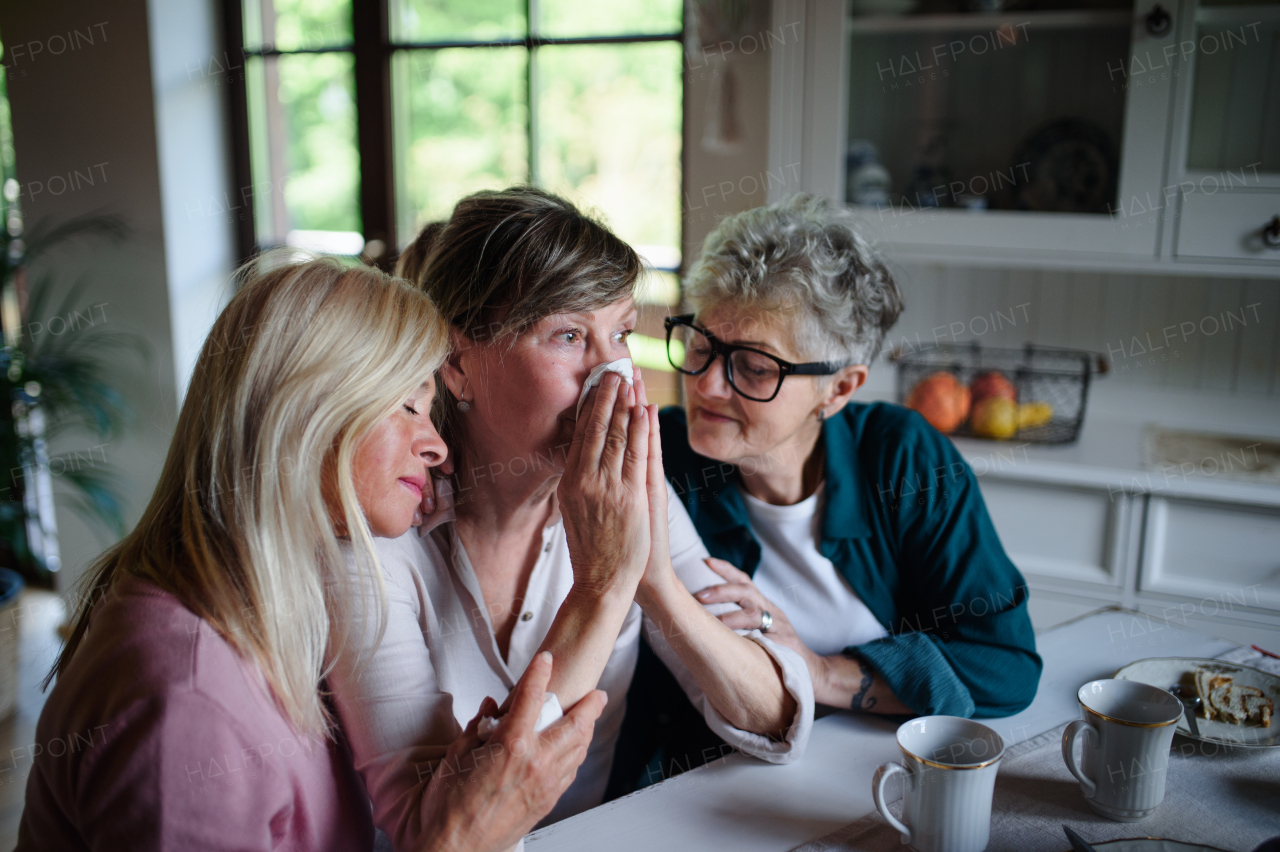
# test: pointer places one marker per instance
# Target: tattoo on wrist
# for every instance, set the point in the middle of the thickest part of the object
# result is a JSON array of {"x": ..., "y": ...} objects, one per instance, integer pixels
[{"x": 867, "y": 679}]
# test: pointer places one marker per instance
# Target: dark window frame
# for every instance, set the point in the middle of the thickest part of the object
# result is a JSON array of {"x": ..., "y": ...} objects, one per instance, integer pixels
[{"x": 372, "y": 49}]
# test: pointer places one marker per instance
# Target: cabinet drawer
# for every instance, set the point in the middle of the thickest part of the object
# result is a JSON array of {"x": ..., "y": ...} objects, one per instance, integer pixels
[
  {"x": 1226, "y": 225},
  {"x": 1058, "y": 531},
  {"x": 1226, "y": 554}
]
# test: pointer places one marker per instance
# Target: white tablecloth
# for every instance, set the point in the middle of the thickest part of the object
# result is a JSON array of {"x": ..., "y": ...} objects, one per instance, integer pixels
[
  {"x": 1228, "y": 798},
  {"x": 743, "y": 805}
]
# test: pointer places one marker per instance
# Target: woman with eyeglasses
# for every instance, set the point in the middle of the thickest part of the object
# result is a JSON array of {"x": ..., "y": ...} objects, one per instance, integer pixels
[{"x": 861, "y": 535}]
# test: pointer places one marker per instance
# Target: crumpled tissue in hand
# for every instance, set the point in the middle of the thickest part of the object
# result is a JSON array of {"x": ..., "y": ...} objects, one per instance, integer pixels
[
  {"x": 622, "y": 367},
  {"x": 550, "y": 714}
]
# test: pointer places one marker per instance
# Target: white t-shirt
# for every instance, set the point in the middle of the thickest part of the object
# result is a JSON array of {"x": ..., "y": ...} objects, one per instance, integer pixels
[
  {"x": 824, "y": 610},
  {"x": 439, "y": 659}
]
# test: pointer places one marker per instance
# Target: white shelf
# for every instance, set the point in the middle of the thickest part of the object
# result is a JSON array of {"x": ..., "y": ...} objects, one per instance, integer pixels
[
  {"x": 1040, "y": 21},
  {"x": 1108, "y": 453},
  {"x": 1069, "y": 261},
  {"x": 1235, "y": 15}
]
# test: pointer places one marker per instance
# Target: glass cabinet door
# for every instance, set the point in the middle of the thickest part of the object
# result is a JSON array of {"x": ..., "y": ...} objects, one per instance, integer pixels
[
  {"x": 1226, "y": 169},
  {"x": 1040, "y": 133},
  {"x": 1235, "y": 94},
  {"x": 987, "y": 105},
  {"x": 1032, "y": 132}
]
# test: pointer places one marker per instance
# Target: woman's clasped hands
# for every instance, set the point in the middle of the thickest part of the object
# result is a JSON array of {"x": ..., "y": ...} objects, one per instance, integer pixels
[
  {"x": 486, "y": 795},
  {"x": 604, "y": 493}
]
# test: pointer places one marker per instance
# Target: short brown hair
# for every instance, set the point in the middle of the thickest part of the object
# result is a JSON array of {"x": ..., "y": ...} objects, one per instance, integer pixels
[
  {"x": 410, "y": 262},
  {"x": 506, "y": 259}
]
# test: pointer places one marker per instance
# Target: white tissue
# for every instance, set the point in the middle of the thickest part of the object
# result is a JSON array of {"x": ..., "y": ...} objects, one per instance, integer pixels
[
  {"x": 550, "y": 713},
  {"x": 622, "y": 367}
]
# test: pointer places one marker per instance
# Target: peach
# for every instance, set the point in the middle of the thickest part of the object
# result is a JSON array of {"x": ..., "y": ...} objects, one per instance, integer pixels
[{"x": 942, "y": 399}]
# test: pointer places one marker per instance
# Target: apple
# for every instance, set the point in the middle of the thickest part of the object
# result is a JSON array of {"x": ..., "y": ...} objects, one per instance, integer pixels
[
  {"x": 992, "y": 383},
  {"x": 995, "y": 417}
]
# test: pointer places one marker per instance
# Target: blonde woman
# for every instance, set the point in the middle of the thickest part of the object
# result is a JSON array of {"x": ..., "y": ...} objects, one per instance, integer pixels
[{"x": 194, "y": 672}]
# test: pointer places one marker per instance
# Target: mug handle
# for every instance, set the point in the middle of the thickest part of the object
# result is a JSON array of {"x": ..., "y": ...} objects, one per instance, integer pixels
[
  {"x": 1068, "y": 753},
  {"x": 883, "y": 773}
]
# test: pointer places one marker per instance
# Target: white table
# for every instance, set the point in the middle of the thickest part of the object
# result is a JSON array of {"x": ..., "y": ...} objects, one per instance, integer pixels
[{"x": 742, "y": 804}]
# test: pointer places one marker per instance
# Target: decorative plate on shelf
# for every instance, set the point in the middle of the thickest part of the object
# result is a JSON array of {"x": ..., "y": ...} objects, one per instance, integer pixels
[
  {"x": 1068, "y": 166},
  {"x": 1163, "y": 672}
]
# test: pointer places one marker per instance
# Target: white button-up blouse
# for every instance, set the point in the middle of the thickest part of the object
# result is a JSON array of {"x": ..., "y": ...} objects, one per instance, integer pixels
[{"x": 412, "y": 693}]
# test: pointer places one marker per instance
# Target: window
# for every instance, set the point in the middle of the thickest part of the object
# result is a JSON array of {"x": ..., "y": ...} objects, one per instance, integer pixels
[{"x": 364, "y": 122}]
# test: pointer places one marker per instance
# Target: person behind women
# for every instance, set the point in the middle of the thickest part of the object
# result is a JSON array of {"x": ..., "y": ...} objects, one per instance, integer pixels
[
  {"x": 538, "y": 294},
  {"x": 191, "y": 685},
  {"x": 861, "y": 534}
]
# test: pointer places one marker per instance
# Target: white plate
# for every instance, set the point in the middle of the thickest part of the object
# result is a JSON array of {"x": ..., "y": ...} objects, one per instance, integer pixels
[{"x": 1166, "y": 671}]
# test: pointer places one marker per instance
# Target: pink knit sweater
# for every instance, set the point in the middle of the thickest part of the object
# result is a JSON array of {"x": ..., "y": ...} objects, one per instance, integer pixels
[{"x": 159, "y": 736}]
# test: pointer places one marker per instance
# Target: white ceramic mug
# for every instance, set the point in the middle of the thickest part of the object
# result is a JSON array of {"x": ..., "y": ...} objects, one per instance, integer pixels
[
  {"x": 948, "y": 776},
  {"x": 1125, "y": 754}
]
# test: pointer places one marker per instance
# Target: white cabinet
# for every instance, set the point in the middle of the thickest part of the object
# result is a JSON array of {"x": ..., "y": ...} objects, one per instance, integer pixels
[
  {"x": 1224, "y": 555},
  {"x": 1231, "y": 225},
  {"x": 1061, "y": 533},
  {"x": 980, "y": 147},
  {"x": 1224, "y": 153},
  {"x": 1213, "y": 565}
]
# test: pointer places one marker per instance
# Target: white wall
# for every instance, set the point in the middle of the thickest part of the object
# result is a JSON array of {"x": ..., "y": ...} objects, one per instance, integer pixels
[
  {"x": 189, "y": 75},
  {"x": 720, "y": 183},
  {"x": 1157, "y": 331},
  {"x": 156, "y": 151}
]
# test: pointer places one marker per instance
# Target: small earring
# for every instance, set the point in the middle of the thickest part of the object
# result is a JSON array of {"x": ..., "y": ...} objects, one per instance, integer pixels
[
  {"x": 464, "y": 406},
  {"x": 822, "y": 414}
]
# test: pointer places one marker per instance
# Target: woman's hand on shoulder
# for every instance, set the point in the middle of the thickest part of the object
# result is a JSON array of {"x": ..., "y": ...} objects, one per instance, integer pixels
[
  {"x": 485, "y": 796},
  {"x": 603, "y": 493}
]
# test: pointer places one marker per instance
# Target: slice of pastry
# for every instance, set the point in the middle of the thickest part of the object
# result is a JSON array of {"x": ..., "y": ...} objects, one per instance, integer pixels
[
  {"x": 1230, "y": 702},
  {"x": 1207, "y": 680},
  {"x": 1259, "y": 708}
]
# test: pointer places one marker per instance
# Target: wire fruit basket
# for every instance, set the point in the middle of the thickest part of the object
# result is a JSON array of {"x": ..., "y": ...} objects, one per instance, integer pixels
[{"x": 1058, "y": 377}]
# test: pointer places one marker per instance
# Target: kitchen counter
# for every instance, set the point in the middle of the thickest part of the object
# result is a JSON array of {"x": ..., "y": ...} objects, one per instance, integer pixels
[{"x": 1108, "y": 453}]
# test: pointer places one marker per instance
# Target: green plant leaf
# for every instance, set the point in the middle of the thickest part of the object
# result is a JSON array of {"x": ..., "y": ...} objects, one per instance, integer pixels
[
  {"x": 44, "y": 235},
  {"x": 95, "y": 497}
]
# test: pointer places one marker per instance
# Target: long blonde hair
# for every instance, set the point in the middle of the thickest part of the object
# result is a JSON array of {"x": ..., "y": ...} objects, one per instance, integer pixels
[{"x": 304, "y": 361}]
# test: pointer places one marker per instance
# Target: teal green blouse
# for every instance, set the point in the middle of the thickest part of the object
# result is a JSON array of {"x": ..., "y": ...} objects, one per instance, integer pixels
[{"x": 904, "y": 523}]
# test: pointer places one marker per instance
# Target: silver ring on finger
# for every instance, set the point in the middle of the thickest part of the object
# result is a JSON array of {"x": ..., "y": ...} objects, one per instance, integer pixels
[{"x": 766, "y": 620}]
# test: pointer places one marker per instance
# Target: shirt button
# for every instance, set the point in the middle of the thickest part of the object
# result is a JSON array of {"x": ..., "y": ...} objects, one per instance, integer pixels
[
  {"x": 526, "y": 616},
  {"x": 547, "y": 548}
]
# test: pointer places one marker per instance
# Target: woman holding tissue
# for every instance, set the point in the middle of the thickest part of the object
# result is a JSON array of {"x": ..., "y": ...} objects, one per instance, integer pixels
[
  {"x": 196, "y": 662},
  {"x": 560, "y": 533}
]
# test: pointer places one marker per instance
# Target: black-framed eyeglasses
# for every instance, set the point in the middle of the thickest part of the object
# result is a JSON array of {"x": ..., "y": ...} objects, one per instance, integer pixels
[{"x": 751, "y": 373}]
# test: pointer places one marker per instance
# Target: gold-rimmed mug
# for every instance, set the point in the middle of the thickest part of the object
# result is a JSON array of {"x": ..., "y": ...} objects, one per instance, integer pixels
[
  {"x": 948, "y": 773},
  {"x": 1128, "y": 727}
]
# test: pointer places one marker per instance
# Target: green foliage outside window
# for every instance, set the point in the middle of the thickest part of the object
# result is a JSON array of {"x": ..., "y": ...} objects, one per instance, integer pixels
[{"x": 606, "y": 122}]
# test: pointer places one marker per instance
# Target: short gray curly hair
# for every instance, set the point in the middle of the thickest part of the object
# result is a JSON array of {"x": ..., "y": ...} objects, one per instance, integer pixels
[{"x": 804, "y": 257}]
